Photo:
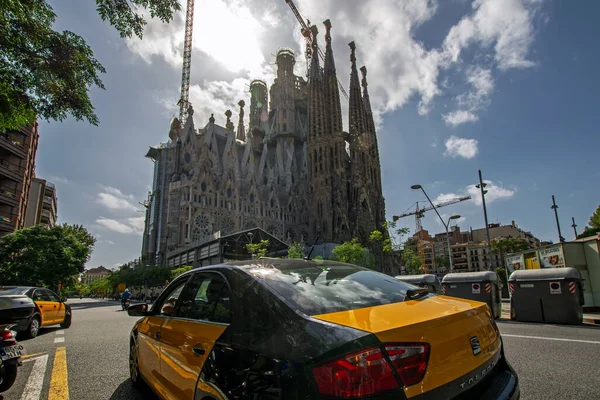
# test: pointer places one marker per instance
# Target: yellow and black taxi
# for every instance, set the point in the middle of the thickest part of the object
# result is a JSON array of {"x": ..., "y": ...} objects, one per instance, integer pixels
[
  {"x": 47, "y": 309},
  {"x": 300, "y": 329}
]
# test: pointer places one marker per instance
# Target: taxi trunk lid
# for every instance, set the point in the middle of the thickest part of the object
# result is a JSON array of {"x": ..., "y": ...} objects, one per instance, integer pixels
[{"x": 461, "y": 334}]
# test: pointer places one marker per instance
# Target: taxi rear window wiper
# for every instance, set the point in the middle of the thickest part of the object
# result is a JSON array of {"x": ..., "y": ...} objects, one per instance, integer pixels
[{"x": 412, "y": 294}]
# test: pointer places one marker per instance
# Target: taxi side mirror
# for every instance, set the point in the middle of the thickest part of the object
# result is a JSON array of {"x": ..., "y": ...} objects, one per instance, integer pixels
[
  {"x": 63, "y": 300},
  {"x": 138, "y": 310}
]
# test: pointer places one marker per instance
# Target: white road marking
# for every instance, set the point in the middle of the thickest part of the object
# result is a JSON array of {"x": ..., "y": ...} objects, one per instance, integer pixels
[
  {"x": 59, "y": 339},
  {"x": 60, "y": 332},
  {"x": 550, "y": 338},
  {"x": 33, "y": 389}
]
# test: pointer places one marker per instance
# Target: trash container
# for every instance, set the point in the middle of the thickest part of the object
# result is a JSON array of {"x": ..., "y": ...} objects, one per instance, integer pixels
[
  {"x": 428, "y": 281},
  {"x": 480, "y": 286},
  {"x": 553, "y": 295}
]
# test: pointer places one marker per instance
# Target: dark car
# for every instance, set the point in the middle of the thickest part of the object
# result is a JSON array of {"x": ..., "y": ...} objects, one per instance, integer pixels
[
  {"x": 297, "y": 329},
  {"x": 48, "y": 309}
]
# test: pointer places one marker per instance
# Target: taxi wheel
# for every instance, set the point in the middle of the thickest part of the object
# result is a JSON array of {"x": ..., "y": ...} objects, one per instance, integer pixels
[
  {"x": 134, "y": 368},
  {"x": 34, "y": 327},
  {"x": 67, "y": 321}
]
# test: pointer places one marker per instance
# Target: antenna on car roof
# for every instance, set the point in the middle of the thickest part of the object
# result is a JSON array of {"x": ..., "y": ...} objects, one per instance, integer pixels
[{"x": 312, "y": 248}]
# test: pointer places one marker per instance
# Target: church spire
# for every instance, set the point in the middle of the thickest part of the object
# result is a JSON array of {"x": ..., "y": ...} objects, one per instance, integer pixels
[
  {"x": 356, "y": 111},
  {"x": 369, "y": 121},
  {"x": 241, "y": 131},
  {"x": 315, "y": 91},
  {"x": 333, "y": 108}
]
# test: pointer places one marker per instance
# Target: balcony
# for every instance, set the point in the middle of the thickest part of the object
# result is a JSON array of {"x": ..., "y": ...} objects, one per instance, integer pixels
[
  {"x": 13, "y": 145},
  {"x": 7, "y": 224},
  {"x": 11, "y": 171},
  {"x": 9, "y": 196},
  {"x": 48, "y": 214}
]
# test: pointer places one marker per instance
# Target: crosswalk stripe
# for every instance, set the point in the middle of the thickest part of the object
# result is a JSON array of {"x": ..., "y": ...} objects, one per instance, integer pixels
[
  {"x": 36, "y": 378},
  {"x": 59, "y": 339},
  {"x": 60, "y": 332},
  {"x": 59, "y": 381}
]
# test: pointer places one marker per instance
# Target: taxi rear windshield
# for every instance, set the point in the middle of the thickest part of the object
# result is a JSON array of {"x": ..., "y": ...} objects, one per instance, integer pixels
[
  {"x": 7, "y": 291},
  {"x": 325, "y": 288}
]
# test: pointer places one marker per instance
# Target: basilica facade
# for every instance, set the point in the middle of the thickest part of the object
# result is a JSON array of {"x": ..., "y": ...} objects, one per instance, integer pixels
[{"x": 285, "y": 165}]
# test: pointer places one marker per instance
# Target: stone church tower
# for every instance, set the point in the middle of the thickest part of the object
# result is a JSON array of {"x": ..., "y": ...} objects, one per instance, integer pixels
[{"x": 291, "y": 171}]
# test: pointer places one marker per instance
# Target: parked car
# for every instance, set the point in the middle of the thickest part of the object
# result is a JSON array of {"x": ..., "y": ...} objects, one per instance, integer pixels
[
  {"x": 48, "y": 309},
  {"x": 300, "y": 329}
]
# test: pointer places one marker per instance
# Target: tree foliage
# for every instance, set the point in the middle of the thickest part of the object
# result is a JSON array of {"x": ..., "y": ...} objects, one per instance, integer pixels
[
  {"x": 412, "y": 263},
  {"x": 178, "y": 271},
  {"x": 48, "y": 74},
  {"x": 442, "y": 262},
  {"x": 258, "y": 249},
  {"x": 45, "y": 256},
  {"x": 507, "y": 245},
  {"x": 353, "y": 252},
  {"x": 123, "y": 15},
  {"x": 593, "y": 227},
  {"x": 296, "y": 250}
]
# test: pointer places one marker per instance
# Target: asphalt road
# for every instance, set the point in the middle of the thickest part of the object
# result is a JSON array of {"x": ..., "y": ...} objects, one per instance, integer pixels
[{"x": 89, "y": 360}]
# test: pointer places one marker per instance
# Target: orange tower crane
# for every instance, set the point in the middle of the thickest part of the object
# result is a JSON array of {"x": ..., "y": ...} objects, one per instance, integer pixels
[{"x": 418, "y": 213}]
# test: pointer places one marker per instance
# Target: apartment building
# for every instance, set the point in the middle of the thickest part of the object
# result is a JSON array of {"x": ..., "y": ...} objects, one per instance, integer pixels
[
  {"x": 497, "y": 231},
  {"x": 17, "y": 165},
  {"x": 93, "y": 274},
  {"x": 469, "y": 249},
  {"x": 42, "y": 207}
]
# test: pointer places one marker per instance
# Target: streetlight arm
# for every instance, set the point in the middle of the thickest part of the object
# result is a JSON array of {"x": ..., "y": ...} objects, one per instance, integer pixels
[{"x": 435, "y": 209}]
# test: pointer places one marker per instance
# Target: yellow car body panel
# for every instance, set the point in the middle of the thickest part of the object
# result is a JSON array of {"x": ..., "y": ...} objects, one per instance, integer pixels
[
  {"x": 446, "y": 323},
  {"x": 180, "y": 366}
]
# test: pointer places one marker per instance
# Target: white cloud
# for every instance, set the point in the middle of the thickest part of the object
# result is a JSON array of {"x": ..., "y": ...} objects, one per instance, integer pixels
[
  {"x": 115, "y": 200},
  {"x": 467, "y": 148},
  {"x": 494, "y": 192},
  {"x": 482, "y": 86},
  {"x": 137, "y": 223},
  {"x": 125, "y": 226},
  {"x": 242, "y": 36}
]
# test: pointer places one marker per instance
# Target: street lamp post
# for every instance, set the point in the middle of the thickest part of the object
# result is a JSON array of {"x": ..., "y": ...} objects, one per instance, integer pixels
[
  {"x": 446, "y": 224},
  {"x": 481, "y": 187}
]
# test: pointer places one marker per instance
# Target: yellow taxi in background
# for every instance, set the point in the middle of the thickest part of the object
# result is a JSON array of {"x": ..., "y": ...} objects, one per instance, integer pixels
[
  {"x": 300, "y": 329},
  {"x": 49, "y": 309}
]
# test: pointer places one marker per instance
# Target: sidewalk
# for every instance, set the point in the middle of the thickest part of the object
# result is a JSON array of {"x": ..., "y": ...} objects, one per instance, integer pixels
[{"x": 588, "y": 318}]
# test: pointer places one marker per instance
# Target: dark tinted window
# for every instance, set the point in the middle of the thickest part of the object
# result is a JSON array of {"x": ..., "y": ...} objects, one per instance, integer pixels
[
  {"x": 321, "y": 289},
  {"x": 51, "y": 295},
  {"x": 41, "y": 295},
  {"x": 209, "y": 299}
]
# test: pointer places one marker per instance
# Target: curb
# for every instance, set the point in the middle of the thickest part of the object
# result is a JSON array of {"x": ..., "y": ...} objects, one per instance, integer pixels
[{"x": 586, "y": 321}]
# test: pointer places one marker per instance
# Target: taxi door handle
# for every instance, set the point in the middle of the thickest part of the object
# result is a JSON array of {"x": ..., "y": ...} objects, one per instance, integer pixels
[
  {"x": 54, "y": 306},
  {"x": 198, "y": 350}
]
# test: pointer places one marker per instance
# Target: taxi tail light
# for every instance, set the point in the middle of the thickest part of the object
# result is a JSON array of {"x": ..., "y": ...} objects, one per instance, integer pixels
[
  {"x": 368, "y": 372},
  {"x": 7, "y": 336}
]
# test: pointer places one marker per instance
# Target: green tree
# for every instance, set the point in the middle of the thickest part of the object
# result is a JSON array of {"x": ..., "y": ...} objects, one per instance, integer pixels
[
  {"x": 178, "y": 271},
  {"x": 507, "y": 245},
  {"x": 45, "y": 256},
  {"x": 259, "y": 249},
  {"x": 396, "y": 234},
  {"x": 442, "y": 262},
  {"x": 48, "y": 74},
  {"x": 593, "y": 227},
  {"x": 296, "y": 250},
  {"x": 353, "y": 252},
  {"x": 412, "y": 263}
]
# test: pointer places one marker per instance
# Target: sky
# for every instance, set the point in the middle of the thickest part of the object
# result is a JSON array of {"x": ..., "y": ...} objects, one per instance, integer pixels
[{"x": 508, "y": 87}]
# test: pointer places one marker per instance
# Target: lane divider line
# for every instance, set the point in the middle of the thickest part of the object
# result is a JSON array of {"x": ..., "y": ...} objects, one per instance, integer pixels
[
  {"x": 27, "y": 356},
  {"x": 59, "y": 339},
  {"x": 549, "y": 338},
  {"x": 60, "y": 332},
  {"x": 35, "y": 382},
  {"x": 59, "y": 381}
]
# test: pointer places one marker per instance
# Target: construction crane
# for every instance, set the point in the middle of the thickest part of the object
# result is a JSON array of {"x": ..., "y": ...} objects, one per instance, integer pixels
[
  {"x": 418, "y": 213},
  {"x": 187, "y": 63},
  {"x": 306, "y": 32}
]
